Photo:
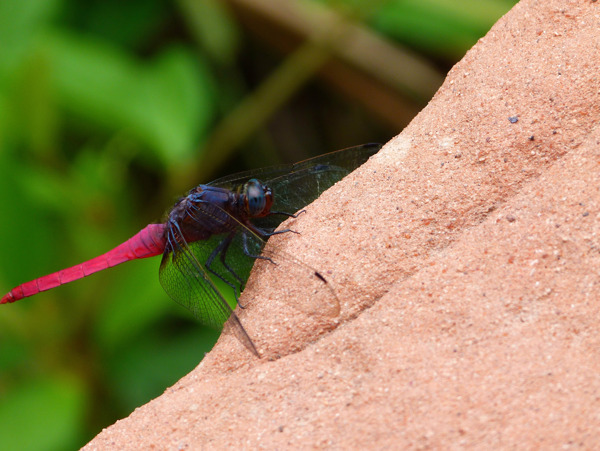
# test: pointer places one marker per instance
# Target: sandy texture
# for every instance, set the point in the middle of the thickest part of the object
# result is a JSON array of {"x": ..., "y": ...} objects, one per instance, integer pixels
[{"x": 465, "y": 257}]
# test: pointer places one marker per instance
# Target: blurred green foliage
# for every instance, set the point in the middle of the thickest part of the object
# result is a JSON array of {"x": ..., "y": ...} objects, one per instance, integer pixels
[
  {"x": 442, "y": 28},
  {"x": 106, "y": 109}
]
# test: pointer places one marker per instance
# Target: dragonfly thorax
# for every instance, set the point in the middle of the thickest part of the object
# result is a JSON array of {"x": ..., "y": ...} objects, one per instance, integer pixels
[{"x": 210, "y": 210}]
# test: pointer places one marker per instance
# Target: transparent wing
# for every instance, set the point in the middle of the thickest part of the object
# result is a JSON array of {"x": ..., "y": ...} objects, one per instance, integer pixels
[
  {"x": 186, "y": 269},
  {"x": 340, "y": 163},
  {"x": 184, "y": 278},
  {"x": 312, "y": 295},
  {"x": 309, "y": 179}
]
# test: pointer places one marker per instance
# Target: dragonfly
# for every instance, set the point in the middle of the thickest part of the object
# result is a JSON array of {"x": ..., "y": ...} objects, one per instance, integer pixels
[{"x": 217, "y": 232}]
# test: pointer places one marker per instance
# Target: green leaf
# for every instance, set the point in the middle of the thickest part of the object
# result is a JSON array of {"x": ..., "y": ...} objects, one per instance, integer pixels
[
  {"x": 28, "y": 244},
  {"x": 131, "y": 23},
  {"x": 167, "y": 104},
  {"x": 143, "y": 368},
  {"x": 440, "y": 27},
  {"x": 133, "y": 303},
  {"x": 20, "y": 24},
  {"x": 213, "y": 27},
  {"x": 43, "y": 414}
]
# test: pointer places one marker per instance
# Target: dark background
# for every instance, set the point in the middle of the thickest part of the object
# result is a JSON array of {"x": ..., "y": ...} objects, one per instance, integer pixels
[{"x": 110, "y": 110}]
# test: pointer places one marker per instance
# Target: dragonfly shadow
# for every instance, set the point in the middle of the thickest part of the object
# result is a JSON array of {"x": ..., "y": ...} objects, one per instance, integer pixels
[{"x": 303, "y": 287}]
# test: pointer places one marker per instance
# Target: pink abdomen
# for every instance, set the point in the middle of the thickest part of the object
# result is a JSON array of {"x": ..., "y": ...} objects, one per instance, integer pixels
[{"x": 148, "y": 242}]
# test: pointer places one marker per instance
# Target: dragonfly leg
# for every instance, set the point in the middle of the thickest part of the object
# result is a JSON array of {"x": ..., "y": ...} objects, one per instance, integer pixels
[
  {"x": 265, "y": 234},
  {"x": 223, "y": 253},
  {"x": 289, "y": 215},
  {"x": 277, "y": 232},
  {"x": 222, "y": 250}
]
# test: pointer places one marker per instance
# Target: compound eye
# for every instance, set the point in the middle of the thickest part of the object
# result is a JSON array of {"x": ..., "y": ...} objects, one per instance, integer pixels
[{"x": 258, "y": 198}]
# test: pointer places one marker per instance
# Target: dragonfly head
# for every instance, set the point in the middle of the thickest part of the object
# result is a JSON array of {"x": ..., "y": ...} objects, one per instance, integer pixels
[{"x": 258, "y": 198}]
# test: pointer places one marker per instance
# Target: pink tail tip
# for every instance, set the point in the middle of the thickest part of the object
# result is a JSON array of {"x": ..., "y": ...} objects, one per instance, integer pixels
[{"x": 7, "y": 298}]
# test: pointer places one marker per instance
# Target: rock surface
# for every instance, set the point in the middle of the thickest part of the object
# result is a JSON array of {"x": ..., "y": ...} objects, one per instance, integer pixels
[{"x": 466, "y": 259}]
